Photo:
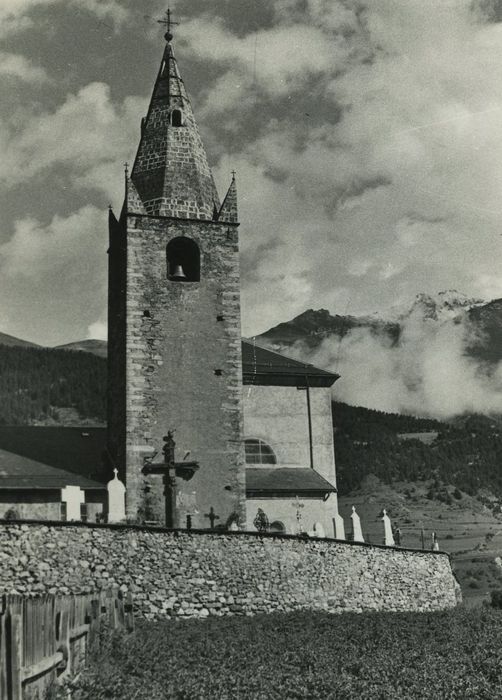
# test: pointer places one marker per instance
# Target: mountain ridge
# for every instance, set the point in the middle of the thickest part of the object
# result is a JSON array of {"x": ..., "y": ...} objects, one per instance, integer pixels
[{"x": 483, "y": 321}]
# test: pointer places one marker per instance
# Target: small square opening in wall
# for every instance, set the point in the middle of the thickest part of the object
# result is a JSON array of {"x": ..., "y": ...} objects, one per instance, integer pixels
[
  {"x": 220, "y": 318},
  {"x": 218, "y": 372}
]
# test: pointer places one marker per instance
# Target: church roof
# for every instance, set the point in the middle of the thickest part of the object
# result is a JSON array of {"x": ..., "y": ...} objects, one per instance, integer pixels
[
  {"x": 171, "y": 175},
  {"x": 45, "y": 457},
  {"x": 18, "y": 472},
  {"x": 266, "y": 367},
  {"x": 286, "y": 480}
]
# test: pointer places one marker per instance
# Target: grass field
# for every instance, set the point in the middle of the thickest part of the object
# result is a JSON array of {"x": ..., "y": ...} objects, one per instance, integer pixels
[{"x": 382, "y": 656}]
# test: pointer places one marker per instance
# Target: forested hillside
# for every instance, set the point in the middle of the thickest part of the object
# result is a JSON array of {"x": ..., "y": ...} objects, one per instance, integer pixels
[
  {"x": 466, "y": 453},
  {"x": 64, "y": 387},
  {"x": 37, "y": 383}
]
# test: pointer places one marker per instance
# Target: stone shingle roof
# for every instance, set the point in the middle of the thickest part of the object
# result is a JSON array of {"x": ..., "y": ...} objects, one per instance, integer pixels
[
  {"x": 266, "y": 367},
  {"x": 171, "y": 174}
]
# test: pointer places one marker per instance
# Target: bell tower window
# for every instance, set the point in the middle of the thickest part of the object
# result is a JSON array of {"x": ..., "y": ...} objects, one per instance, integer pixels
[
  {"x": 176, "y": 117},
  {"x": 183, "y": 260}
]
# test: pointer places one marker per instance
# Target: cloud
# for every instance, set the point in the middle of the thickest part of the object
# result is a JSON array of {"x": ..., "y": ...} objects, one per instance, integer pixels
[
  {"x": 98, "y": 330},
  {"x": 88, "y": 135},
  {"x": 428, "y": 373},
  {"x": 277, "y": 58},
  {"x": 17, "y": 66},
  {"x": 53, "y": 277},
  {"x": 15, "y": 14}
]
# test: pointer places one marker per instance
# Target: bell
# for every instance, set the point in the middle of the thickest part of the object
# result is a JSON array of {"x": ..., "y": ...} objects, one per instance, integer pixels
[{"x": 179, "y": 273}]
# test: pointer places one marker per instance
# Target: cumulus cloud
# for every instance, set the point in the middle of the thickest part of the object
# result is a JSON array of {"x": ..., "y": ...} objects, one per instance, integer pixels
[
  {"x": 53, "y": 277},
  {"x": 88, "y": 134},
  {"x": 17, "y": 66},
  {"x": 15, "y": 14}
]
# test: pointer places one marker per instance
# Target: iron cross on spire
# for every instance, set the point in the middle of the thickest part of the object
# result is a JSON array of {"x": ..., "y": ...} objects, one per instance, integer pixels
[{"x": 168, "y": 23}]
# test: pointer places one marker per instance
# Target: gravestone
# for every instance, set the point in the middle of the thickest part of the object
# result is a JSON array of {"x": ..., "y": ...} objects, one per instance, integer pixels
[
  {"x": 357, "y": 533},
  {"x": 318, "y": 530},
  {"x": 116, "y": 499},
  {"x": 339, "y": 526},
  {"x": 73, "y": 496},
  {"x": 387, "y": 528}
]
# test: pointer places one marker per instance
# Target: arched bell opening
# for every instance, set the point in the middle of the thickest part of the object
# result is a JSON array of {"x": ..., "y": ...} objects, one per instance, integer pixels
[{"x": 183, "y": 260}]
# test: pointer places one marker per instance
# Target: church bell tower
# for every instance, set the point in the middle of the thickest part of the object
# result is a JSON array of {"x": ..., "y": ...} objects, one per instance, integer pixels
[{"x": 174, "y": 323}]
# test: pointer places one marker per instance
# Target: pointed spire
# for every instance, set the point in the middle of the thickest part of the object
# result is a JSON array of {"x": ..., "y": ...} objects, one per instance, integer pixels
[
  {"x": 228, "y": 211},
  {"x": 112, "y": 219},
  {"x": 171, "y": 173}
]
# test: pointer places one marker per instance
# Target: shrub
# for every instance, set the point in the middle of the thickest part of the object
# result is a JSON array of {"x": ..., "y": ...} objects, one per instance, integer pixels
[{"x": 12, "y": 514}]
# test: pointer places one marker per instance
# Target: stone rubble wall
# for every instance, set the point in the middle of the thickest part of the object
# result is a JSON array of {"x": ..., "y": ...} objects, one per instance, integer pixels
[{"x": 197, "y": 574}]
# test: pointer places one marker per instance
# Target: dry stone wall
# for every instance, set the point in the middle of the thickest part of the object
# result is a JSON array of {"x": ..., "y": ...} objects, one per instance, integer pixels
[{"x": 197, "y": 574}]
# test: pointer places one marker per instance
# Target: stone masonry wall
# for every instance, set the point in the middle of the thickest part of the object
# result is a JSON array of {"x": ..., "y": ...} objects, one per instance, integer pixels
[
  {"x": 196, "y": 574},
  {"x": 184, "y": 368}
]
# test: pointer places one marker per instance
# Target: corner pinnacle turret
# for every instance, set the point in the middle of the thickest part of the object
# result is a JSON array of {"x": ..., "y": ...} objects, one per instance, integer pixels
[
  {"x": 171, "y": 176},
  {"x": 228, "y": 211}
]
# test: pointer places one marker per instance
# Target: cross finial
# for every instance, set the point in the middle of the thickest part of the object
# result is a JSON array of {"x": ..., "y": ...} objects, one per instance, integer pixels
[
  {"x": 168, "y": 23},
  {"x": 233, "y": 174}
]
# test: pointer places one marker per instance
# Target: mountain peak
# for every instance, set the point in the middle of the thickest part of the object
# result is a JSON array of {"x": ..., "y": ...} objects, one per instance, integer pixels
[{"x": 443, "y": 305}]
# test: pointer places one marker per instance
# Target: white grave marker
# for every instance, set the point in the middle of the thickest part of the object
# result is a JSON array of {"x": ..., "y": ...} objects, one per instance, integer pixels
[
  {"x": 73, "y": 496},
  {"x": 387, "y": 527},
  {"x": 318, "y": 530},
  {"x": 116, "y": 499},
  {"x": 357, "y": 533},
  {"x": 339, "y": 526}
]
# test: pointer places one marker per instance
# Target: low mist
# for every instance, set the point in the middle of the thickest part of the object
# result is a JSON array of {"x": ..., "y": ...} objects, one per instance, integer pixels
[{"x": 428, "y": 373}]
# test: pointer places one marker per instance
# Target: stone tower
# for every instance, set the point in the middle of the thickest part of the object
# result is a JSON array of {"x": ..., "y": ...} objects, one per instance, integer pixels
[{"x": 174, "y": 321}]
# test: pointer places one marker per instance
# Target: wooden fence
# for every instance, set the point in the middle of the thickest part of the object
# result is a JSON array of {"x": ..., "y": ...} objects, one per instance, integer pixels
[{"x": 46, "y": 639}]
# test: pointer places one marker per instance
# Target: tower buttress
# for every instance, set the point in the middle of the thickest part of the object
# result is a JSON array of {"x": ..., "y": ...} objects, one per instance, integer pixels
[{"x": 174, "y": 322}]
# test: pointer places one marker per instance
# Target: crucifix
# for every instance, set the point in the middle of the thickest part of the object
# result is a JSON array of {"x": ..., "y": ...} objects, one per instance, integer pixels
[
  {"x": 170, "y": 469},
  {"x": 212, "y": 517},
  {"x": 168, "y": 23},
  {"x": 298, "y": 505}
]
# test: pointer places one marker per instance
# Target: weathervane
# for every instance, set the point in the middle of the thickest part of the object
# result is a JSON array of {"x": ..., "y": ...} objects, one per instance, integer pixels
[{"x": 168, "y": 23}]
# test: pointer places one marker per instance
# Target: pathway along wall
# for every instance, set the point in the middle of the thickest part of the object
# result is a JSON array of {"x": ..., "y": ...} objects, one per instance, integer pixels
[{"x": 196, "y": 574}]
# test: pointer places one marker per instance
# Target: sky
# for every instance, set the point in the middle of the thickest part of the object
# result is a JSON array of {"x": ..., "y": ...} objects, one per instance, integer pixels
[{"x": 366, "y": 136}]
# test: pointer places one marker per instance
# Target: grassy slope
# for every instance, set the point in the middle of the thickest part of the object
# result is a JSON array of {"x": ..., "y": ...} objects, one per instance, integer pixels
[
  {"x": 453, "y": 654},
  {"x": 465, "y": 528}
]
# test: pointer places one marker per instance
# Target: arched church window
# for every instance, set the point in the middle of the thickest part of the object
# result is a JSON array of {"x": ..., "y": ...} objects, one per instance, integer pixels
[
  {"x": 258, "y": 452},
  {"x": 177, "y": 117},
  {"x": 183, "y": 260}
]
